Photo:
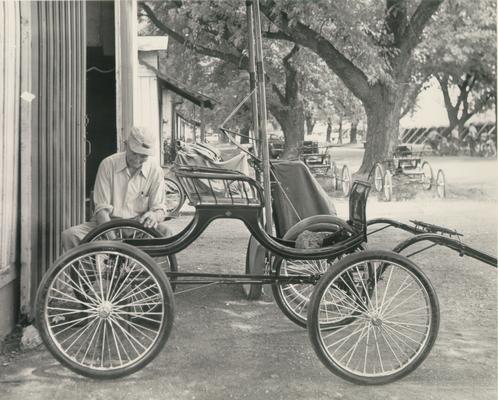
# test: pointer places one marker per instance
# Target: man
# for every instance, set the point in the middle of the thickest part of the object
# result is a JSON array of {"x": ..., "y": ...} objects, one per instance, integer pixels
[{"x": 128, "y": 185}]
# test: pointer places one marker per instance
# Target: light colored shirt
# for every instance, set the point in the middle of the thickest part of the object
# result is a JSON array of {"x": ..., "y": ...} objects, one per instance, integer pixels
[{"x": 127, "y": 196}]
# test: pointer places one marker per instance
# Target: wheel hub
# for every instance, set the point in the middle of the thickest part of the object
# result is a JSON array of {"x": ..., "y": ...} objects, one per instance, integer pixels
[
  {"x": 104, "y": 310},
  {"x": 375, "y": 319}
]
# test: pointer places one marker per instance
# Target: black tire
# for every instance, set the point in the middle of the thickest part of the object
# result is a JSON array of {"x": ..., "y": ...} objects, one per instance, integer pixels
[
  {"x": 175, "y": 197},
  {"x": 120, "y": 304},
  {"x": 428, "y": 176},
  {"x": 127, "y": 229},
  {"x": 293, "y": 299},
  {"x": 374, "y": 318},
  {"x": 255, "y": 265}
]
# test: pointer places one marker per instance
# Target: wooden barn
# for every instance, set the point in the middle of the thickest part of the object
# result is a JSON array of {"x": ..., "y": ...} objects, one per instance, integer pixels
[{"x": 71, "y": 86}]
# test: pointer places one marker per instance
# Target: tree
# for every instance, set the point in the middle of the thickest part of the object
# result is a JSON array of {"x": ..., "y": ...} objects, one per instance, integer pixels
[
  {"x": 367, "y": 46},
  {"x": 461, "y": 55},
  {"x": 217, "y": 29}
]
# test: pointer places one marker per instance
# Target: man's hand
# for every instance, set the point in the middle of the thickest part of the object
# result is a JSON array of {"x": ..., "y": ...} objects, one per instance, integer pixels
[{"x": 149, "y": 219}]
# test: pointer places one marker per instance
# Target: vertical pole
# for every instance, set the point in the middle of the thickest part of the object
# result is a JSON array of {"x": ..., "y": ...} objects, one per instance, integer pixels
[
  {"x": 260, "y": 70},
  {"x": 203, "y": 125},
  {"x": 252, "y": 78}
]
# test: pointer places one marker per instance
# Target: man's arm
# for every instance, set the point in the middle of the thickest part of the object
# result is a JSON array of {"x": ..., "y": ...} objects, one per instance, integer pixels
[
  {"x": 102, "y": 192},
  {"x": 157, "y": 208}
]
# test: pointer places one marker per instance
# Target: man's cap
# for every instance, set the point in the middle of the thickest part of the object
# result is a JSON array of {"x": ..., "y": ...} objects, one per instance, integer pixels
[{"x": 139, "y": 141}]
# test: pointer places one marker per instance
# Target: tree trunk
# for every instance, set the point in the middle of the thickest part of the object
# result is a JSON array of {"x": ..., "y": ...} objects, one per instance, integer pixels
[
  {"x": 354, "y": 130},
  {"x": 339, "y": 139},
  {"x": 310, "y": 123},
  {"x": 291, "y": 120},
  {"x": 329, "y": 131},
  {"x": 383, "y": 126}
]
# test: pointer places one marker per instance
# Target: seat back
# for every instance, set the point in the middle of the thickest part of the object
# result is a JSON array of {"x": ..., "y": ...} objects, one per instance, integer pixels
[{"x": 358, "y": 204}]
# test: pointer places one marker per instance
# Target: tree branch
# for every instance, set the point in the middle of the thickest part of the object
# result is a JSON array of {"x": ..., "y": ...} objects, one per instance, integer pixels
[
  {"x": 352, "y": 76},
  {"x": 278, "y": 92},
  {"x": 242, "y": 62},
  {"x": 279, "y": 35},
  {"x": 412, "y": 33}
]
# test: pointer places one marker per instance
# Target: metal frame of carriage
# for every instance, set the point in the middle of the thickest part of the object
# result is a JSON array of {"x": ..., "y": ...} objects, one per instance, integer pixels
[
  {"x": 105, "y": 309},
  {"x": 406, "y": 163}
]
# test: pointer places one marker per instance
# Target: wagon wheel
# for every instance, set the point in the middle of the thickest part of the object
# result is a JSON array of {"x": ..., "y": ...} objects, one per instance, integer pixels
[
  {"x": 175, "y": 197},
  {"x": 388, "y": 186},
  {"x": 293, "y": 299},
  {"x": 118, "y": 326},
  {"x": 121, "y": 229},
  {"x": 376, "y": 176},
  {"x": 440, "y": 184},
  {"x": 255, "y": 265},
  {"x": 396, "y": 324},
  {"x": 428, "y": 176},
  {"x": 345, "y": 180}
]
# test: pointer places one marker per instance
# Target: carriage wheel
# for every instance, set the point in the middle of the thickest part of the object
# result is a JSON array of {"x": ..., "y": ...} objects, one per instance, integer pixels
[
  {"x": 395, "y": 322},
  {"x": 293, "y": 299},
  {"x": 174, "y": 196},
  {"x": 119, "y": 325},
  {"x": 377, "y": 174},
  {"x": 428, "y": 176},
  {"x": 346, "y": 180},
  {"x": 440, "y": 184},
  {"x": 388, "y": 186},
  {"x": 130, "y": 229},
  {"x": 255, "y": 265}
]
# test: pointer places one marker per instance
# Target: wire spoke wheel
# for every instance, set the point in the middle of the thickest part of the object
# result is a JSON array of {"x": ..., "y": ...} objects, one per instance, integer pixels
[
  {"x": 388, "y": 186},
  {"x": 345, "y": 180},
  {"x": 393, "y": 323},
  {"x": 120, "y": 229},
  {"x": 378, "y": 177},
  {"x": 174, "y": 195},
  {"x": 428, "y": 176},
  {"x": 121, "y": 319},
  {"x": 440, "y": 184},
  {"x": 293, "y": 299}
]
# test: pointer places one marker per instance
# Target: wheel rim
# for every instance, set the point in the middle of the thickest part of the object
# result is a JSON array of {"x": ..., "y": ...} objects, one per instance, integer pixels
[
  {"x": 346, "y": 180},
  {"x": 173, "y": 196},
  {"x": 297, "y": 296},
  {"x": 130, "y": 232},
  {"x": 116, "y": 320},
  {"x": 378, "y": 177},
  {"x": 392, "y": 322},
  {"x": 124, "y": 232},
  {"x": 441, "y": 184},
  {"x": 388, "y": 190},
  {"x": 427, "y": 176}
]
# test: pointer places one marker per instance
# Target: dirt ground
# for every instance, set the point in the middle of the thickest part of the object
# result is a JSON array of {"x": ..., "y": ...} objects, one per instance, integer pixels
[{"x": 223, "y": 346}]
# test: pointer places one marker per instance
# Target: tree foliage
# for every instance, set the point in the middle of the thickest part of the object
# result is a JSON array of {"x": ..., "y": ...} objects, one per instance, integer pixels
[
  {"x": 217, "y": 29},
  {"x": 461, "y": 54},
  {"x": 368, "y": 44}
]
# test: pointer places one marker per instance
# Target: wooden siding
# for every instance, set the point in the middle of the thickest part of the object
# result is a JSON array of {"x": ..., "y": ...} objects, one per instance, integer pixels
[
  {"x": 125, "y": 22},
  {"x": 9, "y": 140},
  {"x": 54, "y": 132},
  {"x": 148, "y": 109}
]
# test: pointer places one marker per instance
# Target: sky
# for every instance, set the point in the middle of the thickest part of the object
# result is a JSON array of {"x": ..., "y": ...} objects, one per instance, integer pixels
[{"x": 431, "y": 111}]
